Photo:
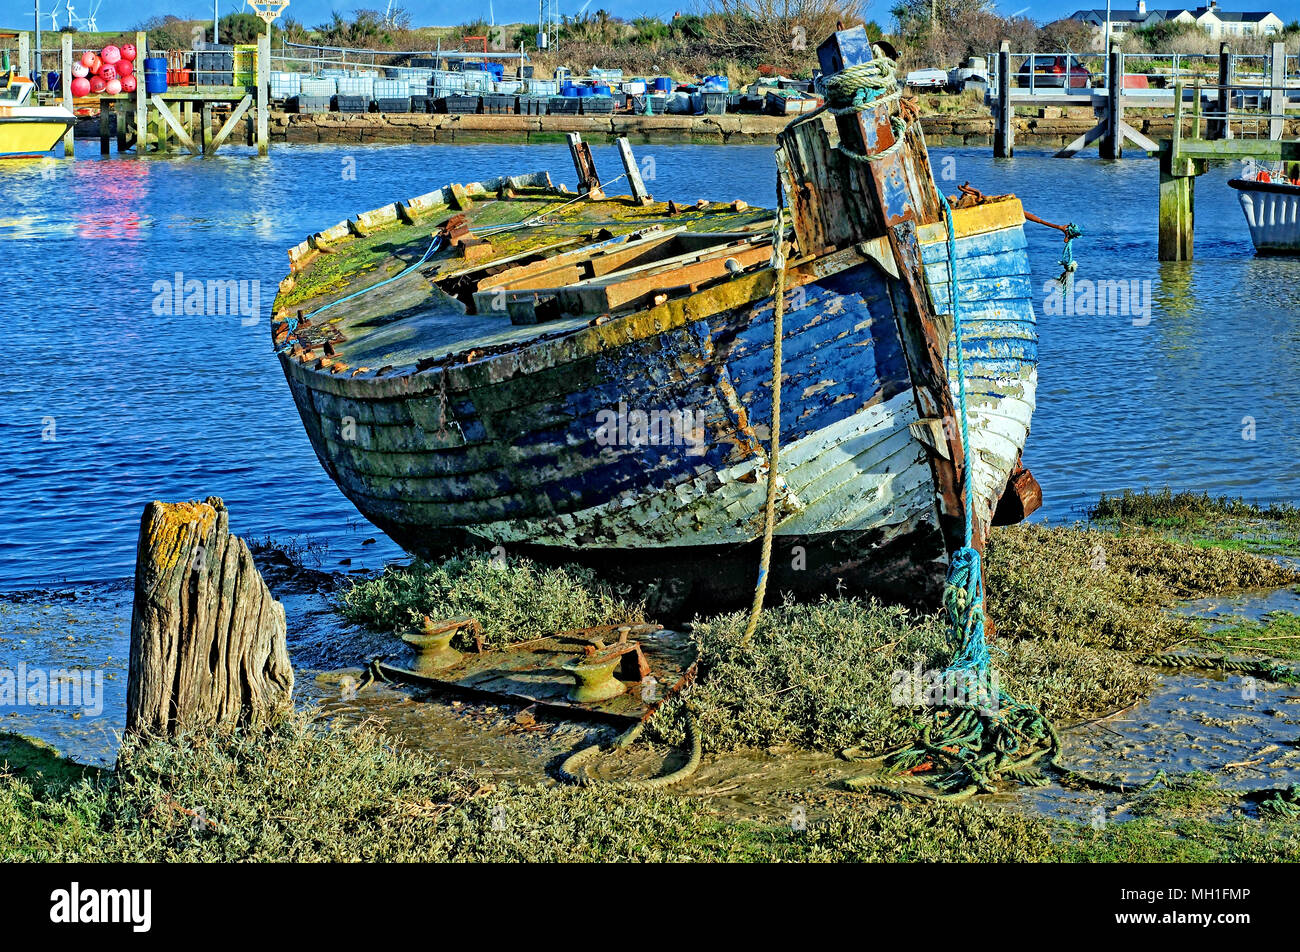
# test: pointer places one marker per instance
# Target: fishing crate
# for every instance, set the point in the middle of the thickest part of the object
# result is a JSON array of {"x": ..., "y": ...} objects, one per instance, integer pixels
[
  {"x": 658, "y": 104},
  {"x": 532, "y": 105},
  {"x": 620, "y": 100},
  {"x": 351, "y": 104},
  {"x": 498, "y": 104},
  {"x": 393, "y": 104},
  {"x": 309, "y": 105},
  {"x": 597, "y": 105},
  {"x": 715, "y": 104},
  {"x": 460, "y": 103},
  {"x": 423, "y": 104},
  {"x": 563, "y": 105}
]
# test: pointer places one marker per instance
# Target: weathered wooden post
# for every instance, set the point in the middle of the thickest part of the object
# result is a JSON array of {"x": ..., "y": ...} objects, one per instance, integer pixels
[
  {"x": 25, "y": 57},
  {"x": 142, "y": 136},
  {"x": 1004, "y": 128},
  {"x": 1177, "y": 191},
  {"x": 1277, "y": 91},
  {"x": 639, "y": 194},
  {"x": 105, "y": 124},
  {"x": 65, "y": 73},
  {"x": 263, "y": 94},
  {"x": 207, "y": 638},
  {"x": 1221, "y": 128},
  {"x": 585, "y": 165},
  {"x": 1112, "y": 142}
]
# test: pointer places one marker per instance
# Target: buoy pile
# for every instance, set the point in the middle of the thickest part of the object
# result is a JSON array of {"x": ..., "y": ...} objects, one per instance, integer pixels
[{"x": 110, "y": 71}]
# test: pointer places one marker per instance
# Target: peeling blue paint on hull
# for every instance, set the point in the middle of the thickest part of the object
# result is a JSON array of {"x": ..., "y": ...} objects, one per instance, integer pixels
[{"x": 524, "y": 458}]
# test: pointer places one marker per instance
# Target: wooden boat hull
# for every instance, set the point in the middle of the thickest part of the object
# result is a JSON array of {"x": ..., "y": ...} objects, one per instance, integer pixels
[
  {"x": 543, "y": 450},
  {"x": 1272, "y": 211}
]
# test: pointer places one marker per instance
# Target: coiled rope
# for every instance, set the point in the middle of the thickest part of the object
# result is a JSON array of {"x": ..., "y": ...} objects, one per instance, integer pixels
[
  {"x": 573, "y": 770},
  {"x": 870, "y": 84}
]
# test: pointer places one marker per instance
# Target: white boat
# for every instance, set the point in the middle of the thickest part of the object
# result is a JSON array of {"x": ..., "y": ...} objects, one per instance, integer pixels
[
  {"x": 26, "y": 129},
  {"x": 1272, "y": 207}
]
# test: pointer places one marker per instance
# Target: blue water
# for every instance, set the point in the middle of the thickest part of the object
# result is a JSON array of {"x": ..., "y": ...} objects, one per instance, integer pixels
[{"x": 146, "y": 406}]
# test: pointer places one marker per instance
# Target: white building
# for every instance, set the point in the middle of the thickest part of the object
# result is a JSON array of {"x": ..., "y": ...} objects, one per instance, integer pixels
[{"x": 1213, "y": 19}]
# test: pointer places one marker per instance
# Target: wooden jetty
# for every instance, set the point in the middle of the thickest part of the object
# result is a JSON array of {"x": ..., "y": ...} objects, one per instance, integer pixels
[
  {"x": 1125, "y": 90},
  {"x": 1215, "y": 136},
  {"x": 180, "y": 118}
]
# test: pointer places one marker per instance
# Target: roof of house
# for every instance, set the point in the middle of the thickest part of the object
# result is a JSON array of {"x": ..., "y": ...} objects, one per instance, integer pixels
[{"x": 1133, "y": 16}]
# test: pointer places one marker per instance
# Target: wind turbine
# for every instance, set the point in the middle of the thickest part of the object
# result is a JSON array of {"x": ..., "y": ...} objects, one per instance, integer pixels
[
  {"x": 54, "y": 19},
  {"x": 72, "y": 16},
  {"x": 91, "y": 25}
]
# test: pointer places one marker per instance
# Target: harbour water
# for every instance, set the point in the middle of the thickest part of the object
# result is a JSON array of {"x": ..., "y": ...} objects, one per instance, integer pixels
[{"x": 1186, "y": 375}]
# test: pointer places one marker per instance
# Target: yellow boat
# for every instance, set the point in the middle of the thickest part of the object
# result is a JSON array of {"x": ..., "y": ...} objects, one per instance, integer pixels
[{"x": 26, "y": 129}]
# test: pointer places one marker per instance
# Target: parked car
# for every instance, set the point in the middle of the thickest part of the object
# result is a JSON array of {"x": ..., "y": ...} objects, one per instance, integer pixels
[
  {"x": 927, "y": 79},
  {"x": 1049, "y": 72}
]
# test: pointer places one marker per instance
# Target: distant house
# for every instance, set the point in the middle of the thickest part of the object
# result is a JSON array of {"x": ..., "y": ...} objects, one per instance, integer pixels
[{"x": 1213, "y": 19}]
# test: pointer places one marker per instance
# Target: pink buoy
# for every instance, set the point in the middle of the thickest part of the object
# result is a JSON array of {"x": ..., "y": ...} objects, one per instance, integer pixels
[
  {"x": 81, "y": 86},
  {"x": 128, "y": 51},
  {"x": 128, "y": 84},
  {"x": 124, "y": 68},
  {"x": 91, "y": 61},
  {"x": 110, "y": 54},
  {"x": 97, "y": 84},
  {"x": 113, "y": 87},
  {"x": 79, "y": 71},
  {"x": 106, "y": 72}
]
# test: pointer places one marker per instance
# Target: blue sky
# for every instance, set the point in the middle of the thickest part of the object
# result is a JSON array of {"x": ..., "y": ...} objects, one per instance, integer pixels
[{"x": 121, "y": 14}]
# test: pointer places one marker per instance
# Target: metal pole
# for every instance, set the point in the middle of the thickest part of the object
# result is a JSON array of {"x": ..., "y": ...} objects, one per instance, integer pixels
[
  {"x": 40, "y": 83},
  {"x": 1108, "y": 31}
]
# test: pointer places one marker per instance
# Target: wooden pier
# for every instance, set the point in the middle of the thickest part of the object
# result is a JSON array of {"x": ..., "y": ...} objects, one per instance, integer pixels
[
  {"x": 1184, "y": 157},
  {"x": 1125, "y": 90},
  {"x": 180, "y": 118}
]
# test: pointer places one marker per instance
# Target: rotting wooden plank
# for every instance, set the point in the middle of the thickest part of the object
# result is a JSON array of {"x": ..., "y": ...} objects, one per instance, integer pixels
[{"x": 632, "y": 171}]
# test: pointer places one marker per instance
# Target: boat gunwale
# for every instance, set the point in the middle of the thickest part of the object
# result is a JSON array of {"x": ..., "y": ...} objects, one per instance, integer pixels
[{"x": 997, "y": 213}]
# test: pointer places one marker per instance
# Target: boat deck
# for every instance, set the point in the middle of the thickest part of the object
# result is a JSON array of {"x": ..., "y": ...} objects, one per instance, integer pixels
[{"x": 361, "y": 293}]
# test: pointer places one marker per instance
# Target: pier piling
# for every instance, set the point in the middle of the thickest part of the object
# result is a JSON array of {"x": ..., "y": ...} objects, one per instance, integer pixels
[
  {"x": 1004, "y": 126},
  {"x": 65, "y": 70}
]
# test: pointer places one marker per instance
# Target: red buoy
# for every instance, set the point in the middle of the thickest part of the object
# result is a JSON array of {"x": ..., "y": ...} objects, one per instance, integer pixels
[{"x": 80, "y": 86}]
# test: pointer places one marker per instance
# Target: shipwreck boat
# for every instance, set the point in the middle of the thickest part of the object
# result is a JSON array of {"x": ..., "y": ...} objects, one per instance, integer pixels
[
  {"x": 581, "y": 377},
  {"x": 26, "y": 129},
  {"x": 1271, "y": 204}
]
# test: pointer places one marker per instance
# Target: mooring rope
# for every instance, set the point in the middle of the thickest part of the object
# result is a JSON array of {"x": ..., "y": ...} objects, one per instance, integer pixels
[
  {"x": 769, "y": 507},
  {"x": 293, "y": 321},
  {"x": 573, "y": 770}
]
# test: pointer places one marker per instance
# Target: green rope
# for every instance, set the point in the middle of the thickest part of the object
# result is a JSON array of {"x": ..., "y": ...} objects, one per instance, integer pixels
[
  {"x": 984, "y": 734},
  {"x": 1067, "y": 262}
]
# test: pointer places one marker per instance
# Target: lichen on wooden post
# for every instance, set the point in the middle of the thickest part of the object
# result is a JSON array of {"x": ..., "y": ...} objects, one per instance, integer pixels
[{"x": 207, "y": 637}]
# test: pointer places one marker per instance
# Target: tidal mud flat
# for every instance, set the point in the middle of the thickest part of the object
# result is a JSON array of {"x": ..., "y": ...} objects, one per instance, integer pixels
[{"x": 1178, "y": 719}]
